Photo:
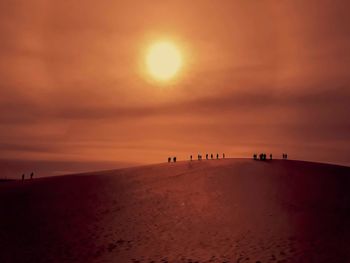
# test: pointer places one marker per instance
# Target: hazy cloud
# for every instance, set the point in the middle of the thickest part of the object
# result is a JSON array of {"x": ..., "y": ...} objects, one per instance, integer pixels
[{"x": 258, "y": 74}]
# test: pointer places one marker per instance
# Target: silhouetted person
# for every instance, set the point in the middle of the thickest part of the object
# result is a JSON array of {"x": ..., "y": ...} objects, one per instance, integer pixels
[
  {"x": 211, "y": 156},
  {"x": 169, "y": 159},
  {"x": 217, "y": 156},
  {"x": 270, "y": 156},
  {"x": 191, "y": 157},
  {"x": 206, "y": 156},
  {"x": 174, "y": 159},
  {"x": 22, "y": 178},
  {"x": 286, "y": 156},
  {"x": 31, "y": 176},
  {"x": 223, "y": 156}
]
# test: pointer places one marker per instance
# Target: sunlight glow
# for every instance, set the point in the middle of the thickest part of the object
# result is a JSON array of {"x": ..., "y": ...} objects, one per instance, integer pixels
[{"x": 163, "y": 60}]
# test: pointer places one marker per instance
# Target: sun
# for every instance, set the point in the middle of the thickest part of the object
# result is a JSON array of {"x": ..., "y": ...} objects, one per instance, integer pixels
[{"x": 163, "y": 60}]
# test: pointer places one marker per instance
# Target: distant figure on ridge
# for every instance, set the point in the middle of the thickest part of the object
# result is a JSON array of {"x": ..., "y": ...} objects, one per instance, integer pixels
[
  {"x": 31, "y": 175},
  {"x": 270, "y": 156},
  {"x": 211, "y": 156},
  {"x": 191, "y": 157},
  {"x": 22, "y": 178},
  {"x": 206, "y": 156},
  {"x": 262, "y": 156},
  {"x": 217, "y": 156},
  {"x": 169, "y": 159},
  {"x": 174, "y": 159},
  {"x": 223, "y": 156}
]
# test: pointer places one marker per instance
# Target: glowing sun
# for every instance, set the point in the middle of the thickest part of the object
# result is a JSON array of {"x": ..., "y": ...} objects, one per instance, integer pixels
[{"x": 163, "y": 60}]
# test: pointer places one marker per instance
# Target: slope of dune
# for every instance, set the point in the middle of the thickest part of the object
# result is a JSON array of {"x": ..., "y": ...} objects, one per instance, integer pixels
[{"x": 232, "y": 210}]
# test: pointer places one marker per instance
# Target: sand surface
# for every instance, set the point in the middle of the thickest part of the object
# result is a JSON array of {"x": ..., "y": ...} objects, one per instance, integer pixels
[{"x": 232, "y": 210}]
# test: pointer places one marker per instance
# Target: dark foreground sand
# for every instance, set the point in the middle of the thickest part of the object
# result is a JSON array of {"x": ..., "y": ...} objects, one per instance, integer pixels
[{"x": 231, "y": 210}]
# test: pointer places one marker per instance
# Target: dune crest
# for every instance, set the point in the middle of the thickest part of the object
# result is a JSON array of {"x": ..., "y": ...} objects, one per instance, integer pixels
[{"x": 231, "y": 210}]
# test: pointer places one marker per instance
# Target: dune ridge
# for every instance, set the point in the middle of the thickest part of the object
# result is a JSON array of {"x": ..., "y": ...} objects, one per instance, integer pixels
[{"x": 231, "y": 210}]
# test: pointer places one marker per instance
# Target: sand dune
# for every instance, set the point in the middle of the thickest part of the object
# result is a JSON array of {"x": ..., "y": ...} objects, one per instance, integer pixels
[{"x": 232, "y": 210}]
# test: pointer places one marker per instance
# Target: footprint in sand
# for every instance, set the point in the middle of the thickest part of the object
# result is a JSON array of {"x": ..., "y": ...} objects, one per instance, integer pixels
[{"x": 111, "y": 247}]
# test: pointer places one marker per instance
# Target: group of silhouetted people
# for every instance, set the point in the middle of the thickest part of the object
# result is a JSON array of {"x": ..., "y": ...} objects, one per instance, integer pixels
[
  {"x": 173, "y": 158},
  {"x": 262, "y": 156},
  {"x": 200, "y": 157},
  {"x": 31, "y": 176}
]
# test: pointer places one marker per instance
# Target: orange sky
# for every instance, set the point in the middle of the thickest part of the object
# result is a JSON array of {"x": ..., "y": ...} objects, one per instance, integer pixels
[{"x": 258, "y": 76}]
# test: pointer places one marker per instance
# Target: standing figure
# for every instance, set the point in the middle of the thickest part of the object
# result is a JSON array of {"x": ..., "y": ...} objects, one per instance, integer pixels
[
  {"x": 223, "y": 156},
  {"x": 270, "y": 156},
  {"x": 174, "y": 159},
  {"x": 169, "y": 159},
  {"x": 286, "y": 156},
  {"x": 206, "y": 156},
  {"x": 217, "y": 156},
  {"x": 211, "y": 156},
  {"x": 22, "y": 178},
  {"x": 191, "y": 157},
  {"x": 31, "y": 175}
]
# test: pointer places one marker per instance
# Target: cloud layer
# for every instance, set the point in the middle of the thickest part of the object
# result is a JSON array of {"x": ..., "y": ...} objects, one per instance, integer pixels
[{"x": 258, "y": 76}]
